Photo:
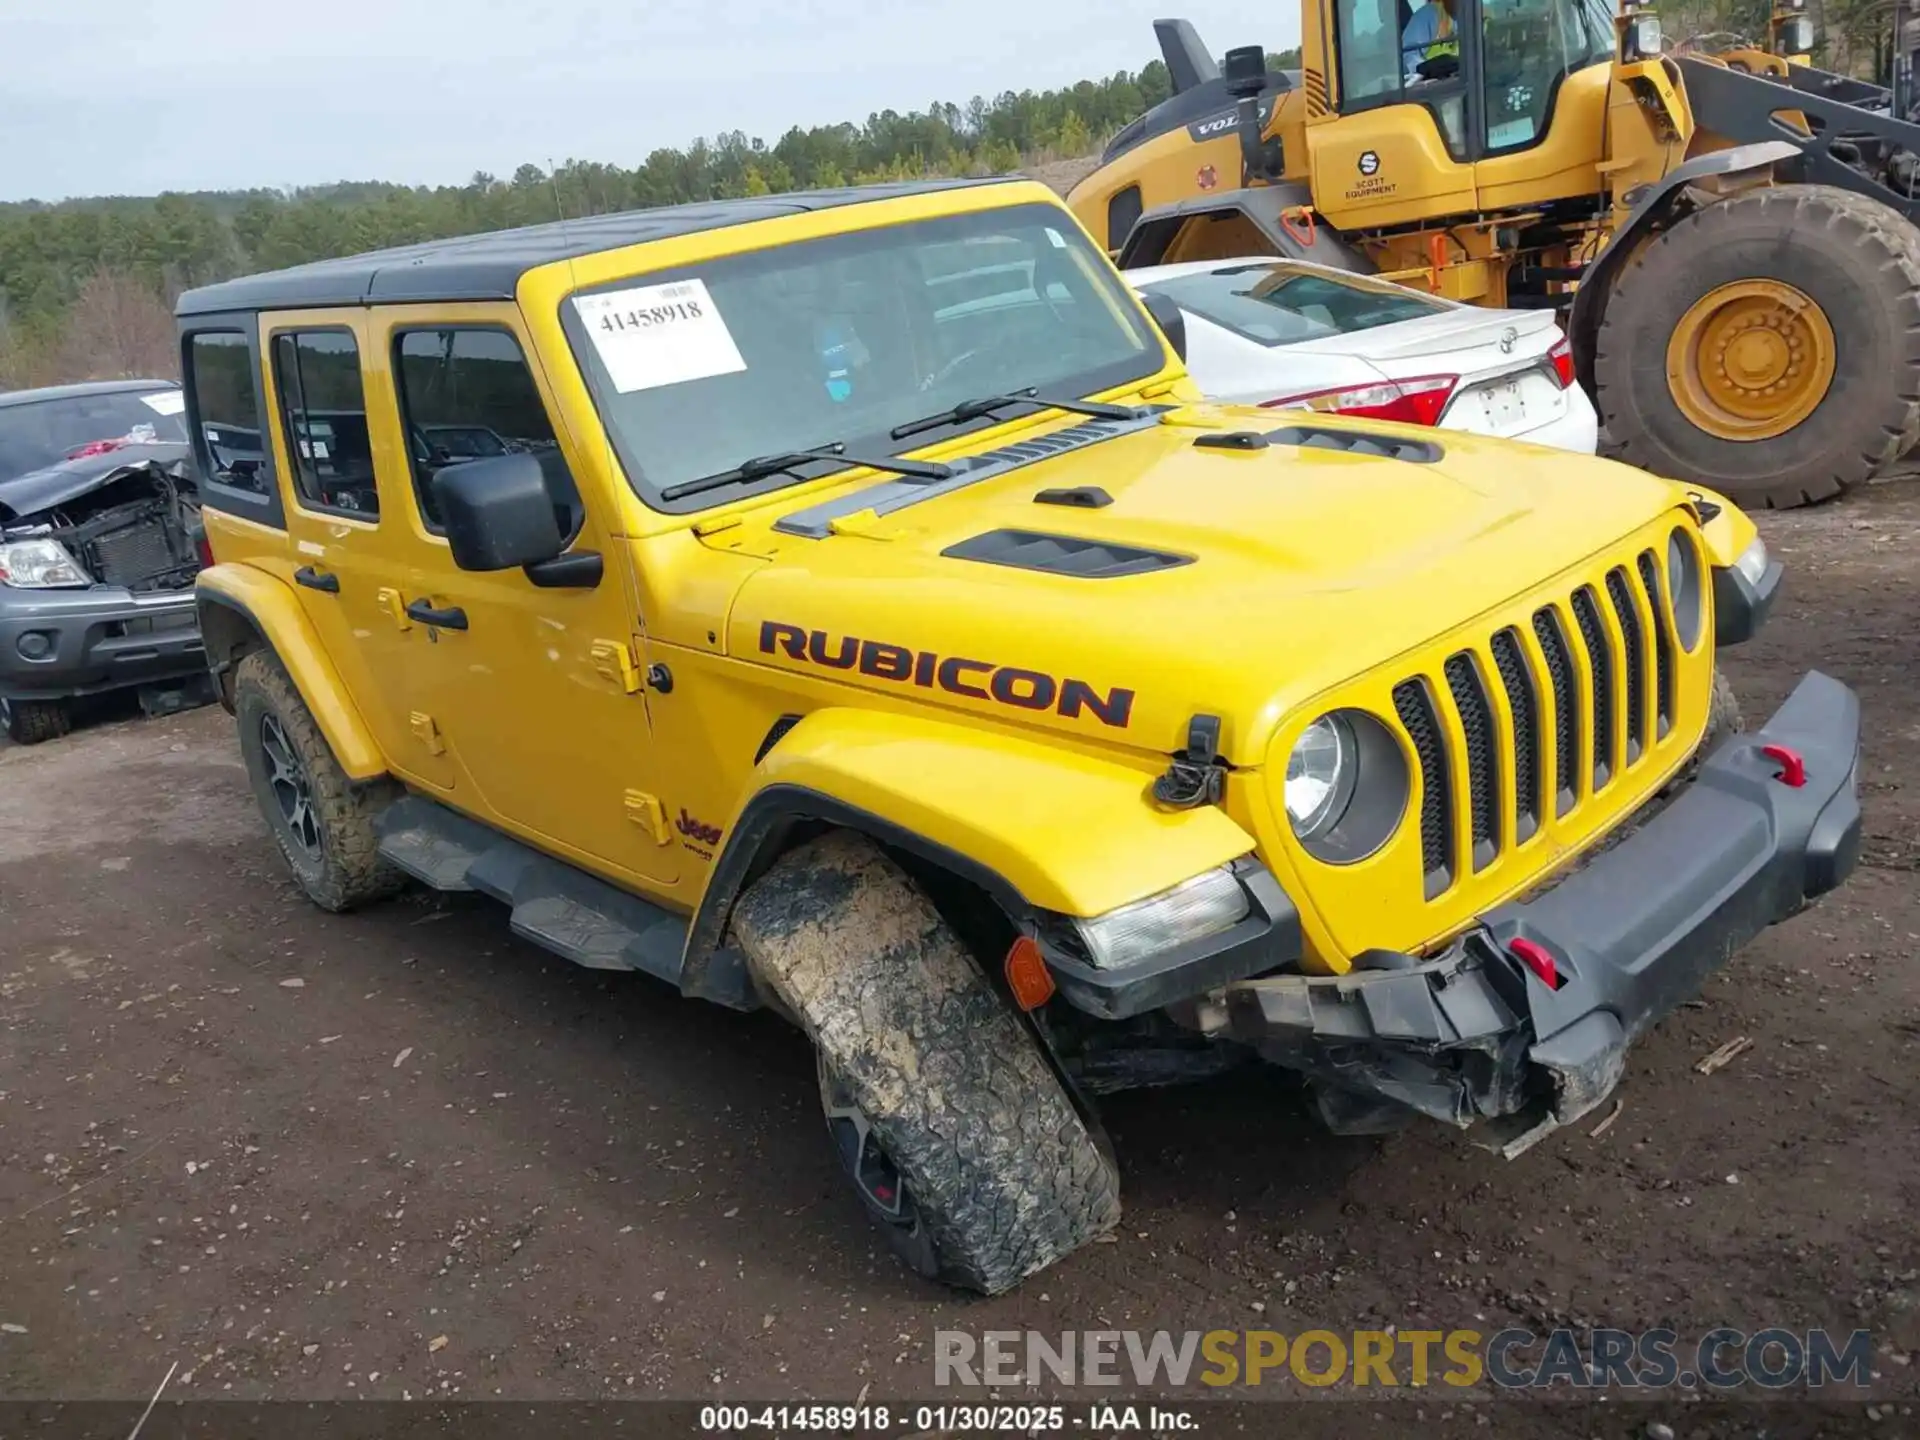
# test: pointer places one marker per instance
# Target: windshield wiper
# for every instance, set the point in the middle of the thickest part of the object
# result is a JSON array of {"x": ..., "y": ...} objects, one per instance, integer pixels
[
  {"x": 973, "y": 409},
  {"x": 786, "y": 461}
]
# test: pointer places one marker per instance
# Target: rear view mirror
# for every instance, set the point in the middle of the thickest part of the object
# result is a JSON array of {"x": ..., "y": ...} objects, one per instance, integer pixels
[
  {"x": 498, "y": 513},
  {"x": 1245, "y": 70},
  {"x": 1171, "y": 319}
]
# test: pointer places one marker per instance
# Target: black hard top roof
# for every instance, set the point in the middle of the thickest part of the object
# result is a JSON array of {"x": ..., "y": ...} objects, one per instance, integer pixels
[
  {"x": 86, "y": 387},
  {"x": 489, "y": 266}
]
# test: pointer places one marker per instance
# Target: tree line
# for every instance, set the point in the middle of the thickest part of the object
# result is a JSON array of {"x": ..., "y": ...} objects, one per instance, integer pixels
[{"x": 65, "y": 266}]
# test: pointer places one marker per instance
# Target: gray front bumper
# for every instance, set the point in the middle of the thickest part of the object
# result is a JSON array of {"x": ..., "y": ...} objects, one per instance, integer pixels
[
  {"x": 1474, "y": 1034},
  {"x": 96, "y": 639}
]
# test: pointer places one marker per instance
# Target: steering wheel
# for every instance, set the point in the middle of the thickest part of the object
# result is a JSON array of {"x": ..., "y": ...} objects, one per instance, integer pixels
[{"x": 1440, "y": 67}]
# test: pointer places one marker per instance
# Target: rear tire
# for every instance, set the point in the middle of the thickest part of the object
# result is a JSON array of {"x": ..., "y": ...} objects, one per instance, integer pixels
[
  {"x": 1857, "y": 260},
  {"x": 28, "y": 722},
  {"x": 322, "y": 821},
  {"x": 980, "y": 1168}
]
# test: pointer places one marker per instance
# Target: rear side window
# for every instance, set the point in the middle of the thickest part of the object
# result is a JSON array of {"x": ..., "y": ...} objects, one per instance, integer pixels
[
  {"x": 465, "y": 394},
  {"x": 220, "y": 369},
  {"x": 1281, "y": 304},
  {"x": 323, "y": 412}
]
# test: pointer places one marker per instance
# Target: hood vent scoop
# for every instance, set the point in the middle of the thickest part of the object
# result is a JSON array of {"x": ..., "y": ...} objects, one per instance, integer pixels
[
  {"x": 1063, "y": 555},
  {"x": 1081, "y": 497},
  {"x": 1318, "y": 437}
]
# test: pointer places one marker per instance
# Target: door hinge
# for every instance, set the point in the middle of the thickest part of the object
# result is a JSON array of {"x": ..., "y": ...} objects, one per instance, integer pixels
[
  {"x": 613, "y": 659},
  {"x": 646, "y": 811},
  {"x": 395, "y": 604},
  {"x": 426, "y": 732}
]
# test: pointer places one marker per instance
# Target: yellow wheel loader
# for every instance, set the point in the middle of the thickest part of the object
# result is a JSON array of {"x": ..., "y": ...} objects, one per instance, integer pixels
[{"x": 1729, "y": 237}]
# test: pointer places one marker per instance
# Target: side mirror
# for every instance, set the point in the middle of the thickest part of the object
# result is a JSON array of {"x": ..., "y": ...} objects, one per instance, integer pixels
[
  {"x": 1171, "y": 319},
  {"x": 498, "y": 513}
]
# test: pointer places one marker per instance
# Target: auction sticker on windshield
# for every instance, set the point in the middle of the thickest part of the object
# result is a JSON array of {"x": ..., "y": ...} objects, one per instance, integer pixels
[
  {"x": 657, "y": 335},
  {"x": 166, "y": 402}
]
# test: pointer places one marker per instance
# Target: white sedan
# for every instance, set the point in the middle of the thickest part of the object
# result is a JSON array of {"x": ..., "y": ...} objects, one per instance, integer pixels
[{"x": 1290, "y": 335}]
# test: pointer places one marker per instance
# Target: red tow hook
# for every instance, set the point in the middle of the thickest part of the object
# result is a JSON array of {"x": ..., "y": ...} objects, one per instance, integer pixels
[
  {"x": 1538, "y": 959},
  {"x": 1793, "y": 770}
]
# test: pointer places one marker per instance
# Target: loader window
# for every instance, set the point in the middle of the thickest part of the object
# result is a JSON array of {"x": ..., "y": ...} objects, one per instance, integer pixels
[
  {"x": 1391, "y": 53},
  {"x": 1530, "y": 46},
  {"x": 1370, "y": 50}
]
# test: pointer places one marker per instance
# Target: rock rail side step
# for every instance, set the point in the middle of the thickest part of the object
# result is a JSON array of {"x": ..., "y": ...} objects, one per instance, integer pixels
[{"x": 575, "y": 915}]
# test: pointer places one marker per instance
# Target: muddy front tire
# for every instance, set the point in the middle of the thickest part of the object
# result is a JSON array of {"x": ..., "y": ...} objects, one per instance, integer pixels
[
  {"x": 1767, "y": 346},
  {"x": 30, "y": 722},
  {"x": 963, "y": 1125},
  {"x": 322, "y": 820}
]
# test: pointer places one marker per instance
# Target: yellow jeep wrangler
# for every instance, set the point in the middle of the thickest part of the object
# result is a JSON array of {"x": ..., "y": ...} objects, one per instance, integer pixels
[{"x": 845, "y": 603}]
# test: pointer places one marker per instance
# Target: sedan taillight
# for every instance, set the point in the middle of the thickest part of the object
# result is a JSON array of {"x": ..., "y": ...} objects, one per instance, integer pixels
[
  {"x": 1420, "y": 401},
  {"x": 1561, "y": 358}
]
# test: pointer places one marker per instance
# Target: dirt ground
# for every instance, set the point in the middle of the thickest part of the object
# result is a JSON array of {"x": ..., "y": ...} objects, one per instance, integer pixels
[{"x": 401, "y": 1154}]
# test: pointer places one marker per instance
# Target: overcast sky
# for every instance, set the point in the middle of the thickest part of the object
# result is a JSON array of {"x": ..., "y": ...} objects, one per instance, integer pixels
[{"x": 133, "y": 97}]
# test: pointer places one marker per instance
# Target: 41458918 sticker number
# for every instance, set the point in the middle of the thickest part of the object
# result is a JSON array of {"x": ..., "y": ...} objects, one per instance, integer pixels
[{"x": 654, "y": 335}]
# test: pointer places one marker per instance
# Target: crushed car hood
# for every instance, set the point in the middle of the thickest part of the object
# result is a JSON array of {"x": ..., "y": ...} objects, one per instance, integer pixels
[
  {"x": 1284, "y": 571},
  {"x": 24, "y": 496}
]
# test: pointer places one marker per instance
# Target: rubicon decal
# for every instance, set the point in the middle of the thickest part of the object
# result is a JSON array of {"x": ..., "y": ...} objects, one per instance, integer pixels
[{"x": 956, "y": 674}]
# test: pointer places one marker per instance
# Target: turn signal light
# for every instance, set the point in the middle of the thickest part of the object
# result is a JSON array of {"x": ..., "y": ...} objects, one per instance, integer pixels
[
  {"x": 1419, "y": 401},
  {"x": 1027, "y": 974}
]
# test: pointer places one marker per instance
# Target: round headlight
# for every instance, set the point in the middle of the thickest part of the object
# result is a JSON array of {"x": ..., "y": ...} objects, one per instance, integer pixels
[
  {"x": 1320, "y": 775},
  {"x": 1683, "y": 581},
  {"x": 1347, "y": 787}
]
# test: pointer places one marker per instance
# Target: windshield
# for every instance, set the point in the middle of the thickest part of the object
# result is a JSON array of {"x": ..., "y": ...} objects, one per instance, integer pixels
[
  {"x": 41, "y": 433},
  {"x": 1282, "y": 304},
  {"x": 844, "y": 338}
]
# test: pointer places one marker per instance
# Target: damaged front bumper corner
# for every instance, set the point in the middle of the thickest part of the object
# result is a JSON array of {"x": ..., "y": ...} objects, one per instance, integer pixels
[{"x": 1524, "y": 1022}]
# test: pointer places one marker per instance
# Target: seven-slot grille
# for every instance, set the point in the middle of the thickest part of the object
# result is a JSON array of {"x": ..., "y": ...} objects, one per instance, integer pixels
[{"x": 1616, "y": 628}]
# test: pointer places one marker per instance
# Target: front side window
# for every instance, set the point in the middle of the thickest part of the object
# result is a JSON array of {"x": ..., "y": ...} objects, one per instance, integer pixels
[
  {"x": 845, "y": 338},
  {"x": 226, "y": 401},
  {"x": 323, "y": 410},
  {"x": 465, "y": 394},
  {"x": 1531, "y": 45},
  {"x": 1284, "y": 303}
]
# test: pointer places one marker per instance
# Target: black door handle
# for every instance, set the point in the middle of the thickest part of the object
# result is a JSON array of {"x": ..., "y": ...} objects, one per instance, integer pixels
[
  {"x": 311, "y": 578},
  {"x": 451, "y": 618}
]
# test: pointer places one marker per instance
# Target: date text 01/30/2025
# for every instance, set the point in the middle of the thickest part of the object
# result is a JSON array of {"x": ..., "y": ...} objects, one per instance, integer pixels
[{"x": 919, "y": 1419}]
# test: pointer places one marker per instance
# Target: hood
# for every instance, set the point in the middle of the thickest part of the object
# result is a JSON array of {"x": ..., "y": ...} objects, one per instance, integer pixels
[
  {"x": 1268, "y": 575},
  {"x": 24, "y": 496}
]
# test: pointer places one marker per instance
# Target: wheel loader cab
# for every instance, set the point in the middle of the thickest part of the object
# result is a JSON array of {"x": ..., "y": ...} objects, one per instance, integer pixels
[{"x": 1445, "y": 107}]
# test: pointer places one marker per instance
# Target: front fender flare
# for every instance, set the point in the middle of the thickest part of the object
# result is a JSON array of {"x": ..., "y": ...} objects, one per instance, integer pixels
[
  {"x": 1037, "y": 826},
  {"x": 242, "y": 609}
]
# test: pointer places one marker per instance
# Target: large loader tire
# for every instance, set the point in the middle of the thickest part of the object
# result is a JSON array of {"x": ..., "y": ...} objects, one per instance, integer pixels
[
  {"x": 960, "y": 1140},
  {"x": 1767, "y": 346}
]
